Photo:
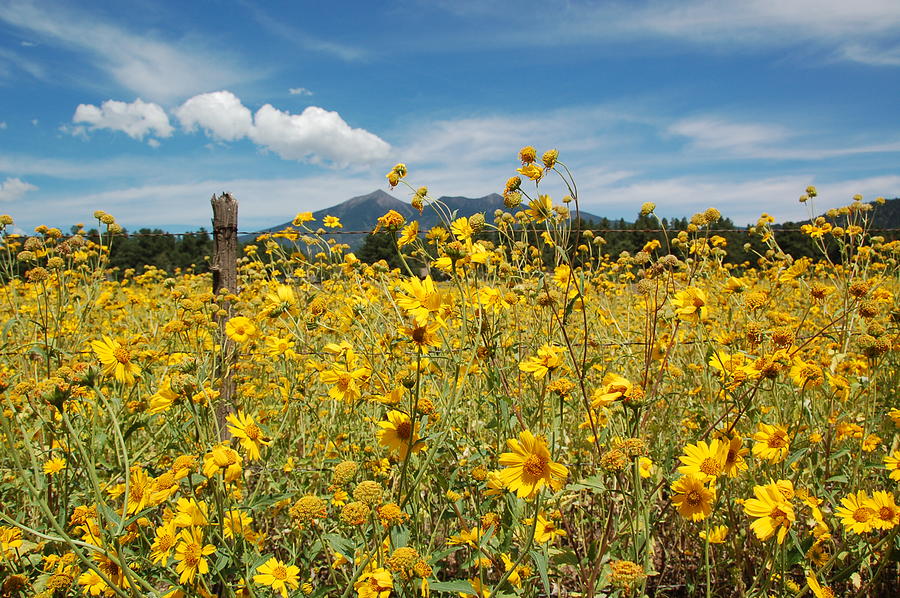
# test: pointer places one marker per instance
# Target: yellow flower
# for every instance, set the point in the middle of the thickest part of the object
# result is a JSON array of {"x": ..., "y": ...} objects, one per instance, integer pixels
[
  {"x": 278, "y": 576},
  {"x": 548, "y": 358},
  {"x": 191, "y": 513},
  {"x": 10, "y": 539},
  {"x": 773, "y": 512},
  {"x": 332, "y": 222},
  {"x": 529, "y": 467},
  {"x": 282, "y": 301},
  {"x": 240, "y": 329},
  {"x": 191, "y": 553},
  {"x": 54, "y": 466},
  {"x": 716, "y": 534},
  {"x": 532, "y": 171},
  {"x": 139, "y": 490},
  {"x": 409, "y": 234},
  {"x": 705, "y": 461},
  {"x": 303, "y": 217},
  {"x": 220, "y": 458},
  {"x": 163, "y": 543},
  {"x": 540, "y": 209},
  {"x": 856, "y": 514},
  {"x": 344, "y": 383},
  {"x": 892, "y": 464},
  {"x": 244, "y": 428},
  {"x": 885, "y": 512},
  {"x": 545, "y": 530},
  {"x": 527, "y": 154},
  {"x": 421, "y": 300},
  {"x": 376, "y": 583},
  {"x": 690, "y": 304},
  {"x": 399, "y": 434},
  {"x": 462, "y": 229},
  {"x": 772, "y": 443},
  {"x": 116, "y": 360},
  {"x": 734, "y": 459},
  {"x": 613, "y": 387},
  {"x": 646, "y": 467},
  {"x": 818, "y": 590},
  {"x": 423, "y": 336},
  {"x": 692, "y": 498}
]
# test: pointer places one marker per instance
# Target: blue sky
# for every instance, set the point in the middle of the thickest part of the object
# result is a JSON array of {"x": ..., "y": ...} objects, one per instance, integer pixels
[{"x": 145, "y": 109}]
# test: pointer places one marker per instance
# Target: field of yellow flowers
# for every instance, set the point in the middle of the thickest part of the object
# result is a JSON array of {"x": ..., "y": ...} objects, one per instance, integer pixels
[{"x": 532, "y": 418}]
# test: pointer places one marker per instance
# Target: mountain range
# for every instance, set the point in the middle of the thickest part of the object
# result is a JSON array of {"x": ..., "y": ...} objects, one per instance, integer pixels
[{"x": 361, "y": 213}]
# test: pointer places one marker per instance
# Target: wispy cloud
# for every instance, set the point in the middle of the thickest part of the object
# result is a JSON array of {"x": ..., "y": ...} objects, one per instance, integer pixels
[
  {"x": 303, "y": 39},
  {"x": 729, "y": 26},
  {"x": 147, "y": 65},
  {"x": 729, "y": 138},
  {"x": 13, "y": 189},
  {"x": 299, "y": 91}
]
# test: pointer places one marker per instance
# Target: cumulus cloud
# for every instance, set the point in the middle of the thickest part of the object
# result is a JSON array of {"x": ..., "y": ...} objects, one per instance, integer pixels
[
  {"x": 299, "y": 91},
  {"x": 220, "y": 114},
  {"x": 14, "y": 188},
  {"x": 315, "y": 135},
  {"x": 2, "y": 124},
  {"x": 136, "y": 119}
]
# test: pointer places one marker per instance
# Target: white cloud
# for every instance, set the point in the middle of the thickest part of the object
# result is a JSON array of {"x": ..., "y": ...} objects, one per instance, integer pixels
[
  {"x": 299, "y": 91},
  {"x": 2, "y": 124},
  {"x": 720, "y": 134},
  {"x": 14, "y": 188},
  {"x": 154, "y": 143},
  {"x": 143, "y": 63},
  {"x": 220, "y": 114},
  {"x": 868, "y": 54},
  {"x": 316, "y": 135},
  {"x": 726, "y": 25},
  {"x": 136, "y": 119}
]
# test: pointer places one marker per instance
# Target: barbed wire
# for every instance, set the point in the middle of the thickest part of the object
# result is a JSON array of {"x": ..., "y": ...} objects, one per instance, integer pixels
[
  {"x": 592, "y": 345},
  {"x": 281, "y": 233}
]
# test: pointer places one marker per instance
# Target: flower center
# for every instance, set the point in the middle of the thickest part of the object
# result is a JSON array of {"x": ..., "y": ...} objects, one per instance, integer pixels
[
  {"x": 710, "y": 467},
  {"x": 886, "y": 513},
  {"x": 863, "y": 514},
  {"x": 693, "y": 498},
  {"x": 404, "y": 430},
  {"x": 192, "y": 554},
  {"x": 279, "y": 573},
  {"x": 778, "y": 516},
  {"x": 535, "y": 466},
  {"x": 121, "y": 354},
  {"x": 777, "y": 440},
  {"x": 252, "y": 431}
]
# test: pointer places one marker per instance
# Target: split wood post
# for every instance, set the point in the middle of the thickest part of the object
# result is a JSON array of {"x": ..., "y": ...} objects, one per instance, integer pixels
[{"x": 224, "y": 271}]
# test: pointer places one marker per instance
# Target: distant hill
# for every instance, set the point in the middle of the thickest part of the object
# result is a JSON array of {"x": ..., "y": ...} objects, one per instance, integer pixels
[
  {"x": 361, "y": 213},
  {"x": 884, "y": 216}
]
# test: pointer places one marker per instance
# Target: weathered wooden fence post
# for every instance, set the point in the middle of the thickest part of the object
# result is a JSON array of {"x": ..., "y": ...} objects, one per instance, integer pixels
[{"x": 224, "y": 271}]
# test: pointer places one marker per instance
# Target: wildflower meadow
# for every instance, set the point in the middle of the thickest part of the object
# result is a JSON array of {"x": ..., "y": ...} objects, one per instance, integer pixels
[{"x": 511, "y": 412}]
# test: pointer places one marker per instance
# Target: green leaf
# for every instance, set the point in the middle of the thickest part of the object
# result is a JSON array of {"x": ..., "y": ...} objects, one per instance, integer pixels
[
  {"x": 540, "y": 561},
  {"x": 341, "y": 545},
  {"x": 460, "y": 585}
]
